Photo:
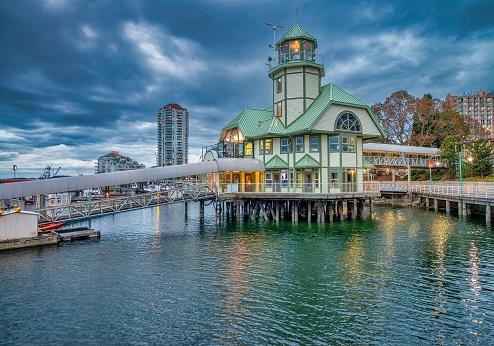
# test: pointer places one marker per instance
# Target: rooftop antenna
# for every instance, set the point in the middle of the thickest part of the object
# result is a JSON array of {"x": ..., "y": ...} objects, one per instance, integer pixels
[{"x": 274, "y": 27}]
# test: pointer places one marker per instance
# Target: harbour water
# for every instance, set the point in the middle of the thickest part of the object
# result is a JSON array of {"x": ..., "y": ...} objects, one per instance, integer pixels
[{"x": 405, "y": 277}]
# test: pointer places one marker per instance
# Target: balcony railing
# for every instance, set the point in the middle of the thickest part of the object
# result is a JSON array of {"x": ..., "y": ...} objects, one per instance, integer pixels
[
  {"x": 306, "y": 188},
  {"x": 300, "y": 56}
]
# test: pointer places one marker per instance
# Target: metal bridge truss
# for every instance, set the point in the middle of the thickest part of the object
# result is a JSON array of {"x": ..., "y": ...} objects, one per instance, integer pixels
[
  {"x": 393, "y": 161},
  {"x": 79, "y": 211}
]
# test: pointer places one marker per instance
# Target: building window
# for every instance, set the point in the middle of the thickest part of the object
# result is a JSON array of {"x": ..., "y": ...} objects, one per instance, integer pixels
[
  {"x": 348, "y": 122},
  {"x": 334, "y": 143},
  {"x": 284, "y": 178},
  {"x": 269, "y": 179},
  {"x": 314, "y": 144},
  {"x": 285, "y": 145},
  {"x": 299, "y": 178},
  {"x": 266, "y": 146},
  {"x": 249, "y": 149},
  {"x": 279, "y": 109},
  {"x": 278, "y": 85},
  {"x": 299, "y": 144},
  {"x": 348, "y": 144}
]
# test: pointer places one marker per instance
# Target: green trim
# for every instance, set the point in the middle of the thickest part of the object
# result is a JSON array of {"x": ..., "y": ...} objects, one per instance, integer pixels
[
  {"x": 296, "y": 63},
  {"x": 286, "y": 102},
  {"x": 303, "y": 88}
]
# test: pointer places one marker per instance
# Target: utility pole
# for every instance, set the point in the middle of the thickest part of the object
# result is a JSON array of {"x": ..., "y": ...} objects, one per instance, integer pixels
[{"x": 14, "y": 168}]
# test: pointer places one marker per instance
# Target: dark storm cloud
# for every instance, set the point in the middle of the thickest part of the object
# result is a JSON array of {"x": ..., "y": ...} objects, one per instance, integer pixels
[{"x": 79, "y": 78}]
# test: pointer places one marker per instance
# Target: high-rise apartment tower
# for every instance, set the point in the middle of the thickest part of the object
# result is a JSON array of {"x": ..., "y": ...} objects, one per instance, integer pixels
[{"x": 173, "y": 135}]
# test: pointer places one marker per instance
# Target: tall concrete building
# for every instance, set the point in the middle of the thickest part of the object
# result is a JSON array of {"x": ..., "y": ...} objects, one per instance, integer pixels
[
  {"x": 173, "y": 135},
  {"x": 114, "y": 162},
  {"x": 478, "y": 107}
]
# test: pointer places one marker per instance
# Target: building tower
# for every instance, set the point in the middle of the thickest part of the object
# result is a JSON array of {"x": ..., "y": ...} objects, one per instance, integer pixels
[
  {"x": 173, "y": 135},
  {"x": 297, "y": 75}
]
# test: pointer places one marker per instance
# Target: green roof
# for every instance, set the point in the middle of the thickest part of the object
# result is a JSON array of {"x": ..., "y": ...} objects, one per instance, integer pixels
[
  {"x": 272, "y": 126},
  {"x": 297, "y": 32},
  {"x": 248, "y": 120},
  {"x": 307, "y": 161},
  {"x": 330, "y": 94},
  {"x": 257, "y": 123},
  {"x": 276, "y": 162}
]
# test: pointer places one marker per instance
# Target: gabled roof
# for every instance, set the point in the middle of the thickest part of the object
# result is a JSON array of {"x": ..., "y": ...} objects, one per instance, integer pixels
[
  {"x": 276, "y": 162},
  {"x": 248, "y": 120},
  {"x": 297, "y": 32},
  {"x": 307, "y": 161},
  {"x": 330, "y": 94},
  {"x": 256, "y": 123},
  {"x": 272, "y": 126}
]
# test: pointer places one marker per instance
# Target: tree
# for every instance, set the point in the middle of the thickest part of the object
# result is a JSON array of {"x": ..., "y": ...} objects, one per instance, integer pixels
[
  {"x": 434, "y": 120},
  {"x": 449, "y": 154},
  {"x": 481, "y": 154},
  {"x": 396, "y": 116}
]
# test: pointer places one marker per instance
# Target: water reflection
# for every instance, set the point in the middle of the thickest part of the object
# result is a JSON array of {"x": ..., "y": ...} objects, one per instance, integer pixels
[{"x": 410, "y": 277}]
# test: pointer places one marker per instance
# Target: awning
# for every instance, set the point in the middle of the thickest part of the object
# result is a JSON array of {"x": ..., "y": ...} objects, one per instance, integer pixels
[
  {"x": 307, "y": 161},
  {"x": 276, "y": 162}
]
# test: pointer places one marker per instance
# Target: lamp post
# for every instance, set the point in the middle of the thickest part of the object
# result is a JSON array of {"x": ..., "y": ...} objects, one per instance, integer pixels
[
  {"x": 460, "y": 170},
  {"x": 14, "y": 168},
  {"x": 430, "y": 163}
]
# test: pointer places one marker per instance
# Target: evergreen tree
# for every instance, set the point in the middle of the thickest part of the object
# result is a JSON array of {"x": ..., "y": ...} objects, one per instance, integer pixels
[
  {"x": 482, "y": 154},
  {"x": 449, "y": 153}
]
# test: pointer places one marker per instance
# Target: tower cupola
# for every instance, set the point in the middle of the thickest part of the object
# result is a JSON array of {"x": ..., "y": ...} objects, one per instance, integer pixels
[{"x": 296, "y": 75}]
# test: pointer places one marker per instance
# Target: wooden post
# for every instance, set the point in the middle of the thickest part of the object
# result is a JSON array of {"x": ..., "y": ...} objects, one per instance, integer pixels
[
  {"x": 488, "y": 214},
  {"x": 436, "y": 205},
  {"x": 355, "y": 209},
  {"x": 427, "y": 203},
  {"x": 448, "y": 207},
  {"x": 201, "y": 209},
  {"x": 345, "y": 209},
  {"x": 296, "y": 212},
  {"x": 331, "y": 211},
  {"x": 309, "y": 211}
]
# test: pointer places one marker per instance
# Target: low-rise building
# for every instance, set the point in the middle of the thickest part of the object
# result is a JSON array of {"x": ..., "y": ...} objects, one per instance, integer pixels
[
  {"x": 478, "y": 107},
  {"x": 114, "y": 162}
]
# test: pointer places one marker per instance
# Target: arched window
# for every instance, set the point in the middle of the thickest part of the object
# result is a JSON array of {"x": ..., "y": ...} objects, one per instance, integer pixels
[{"x": 348, "y": 122}]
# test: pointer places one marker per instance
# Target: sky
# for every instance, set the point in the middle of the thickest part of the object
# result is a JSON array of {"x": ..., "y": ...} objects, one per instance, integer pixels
[{"x": 81, "y": 78}]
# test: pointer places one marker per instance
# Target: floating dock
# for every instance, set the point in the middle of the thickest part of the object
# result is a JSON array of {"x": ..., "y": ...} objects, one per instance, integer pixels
[{"x": 78, "y": 234}]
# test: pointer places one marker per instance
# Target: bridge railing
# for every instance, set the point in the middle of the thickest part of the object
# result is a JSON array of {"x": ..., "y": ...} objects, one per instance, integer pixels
[
  {"x": 81, "y": 210},
  {"x": 403, "y": 161},
  {"x": 467, "y": 189}
]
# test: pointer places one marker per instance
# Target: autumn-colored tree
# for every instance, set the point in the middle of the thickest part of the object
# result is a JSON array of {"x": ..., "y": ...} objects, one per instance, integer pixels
[
  {"x": 396, "y": 116},
  {"x": 434, "y": 121}
]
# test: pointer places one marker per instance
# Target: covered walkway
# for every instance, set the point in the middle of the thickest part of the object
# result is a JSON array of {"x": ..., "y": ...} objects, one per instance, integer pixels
[{"x": 66, "y": 184}]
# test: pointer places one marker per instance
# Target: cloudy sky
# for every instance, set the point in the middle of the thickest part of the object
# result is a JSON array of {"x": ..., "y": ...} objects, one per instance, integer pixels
[{"x": 81, "y": 78}]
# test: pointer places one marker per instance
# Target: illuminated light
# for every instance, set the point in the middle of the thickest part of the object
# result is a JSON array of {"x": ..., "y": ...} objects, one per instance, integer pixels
[{"x": 295, "y": 46}]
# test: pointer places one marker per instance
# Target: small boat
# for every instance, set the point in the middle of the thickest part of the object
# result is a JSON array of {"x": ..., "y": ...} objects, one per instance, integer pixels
[{"x": 51, "y": 226}]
